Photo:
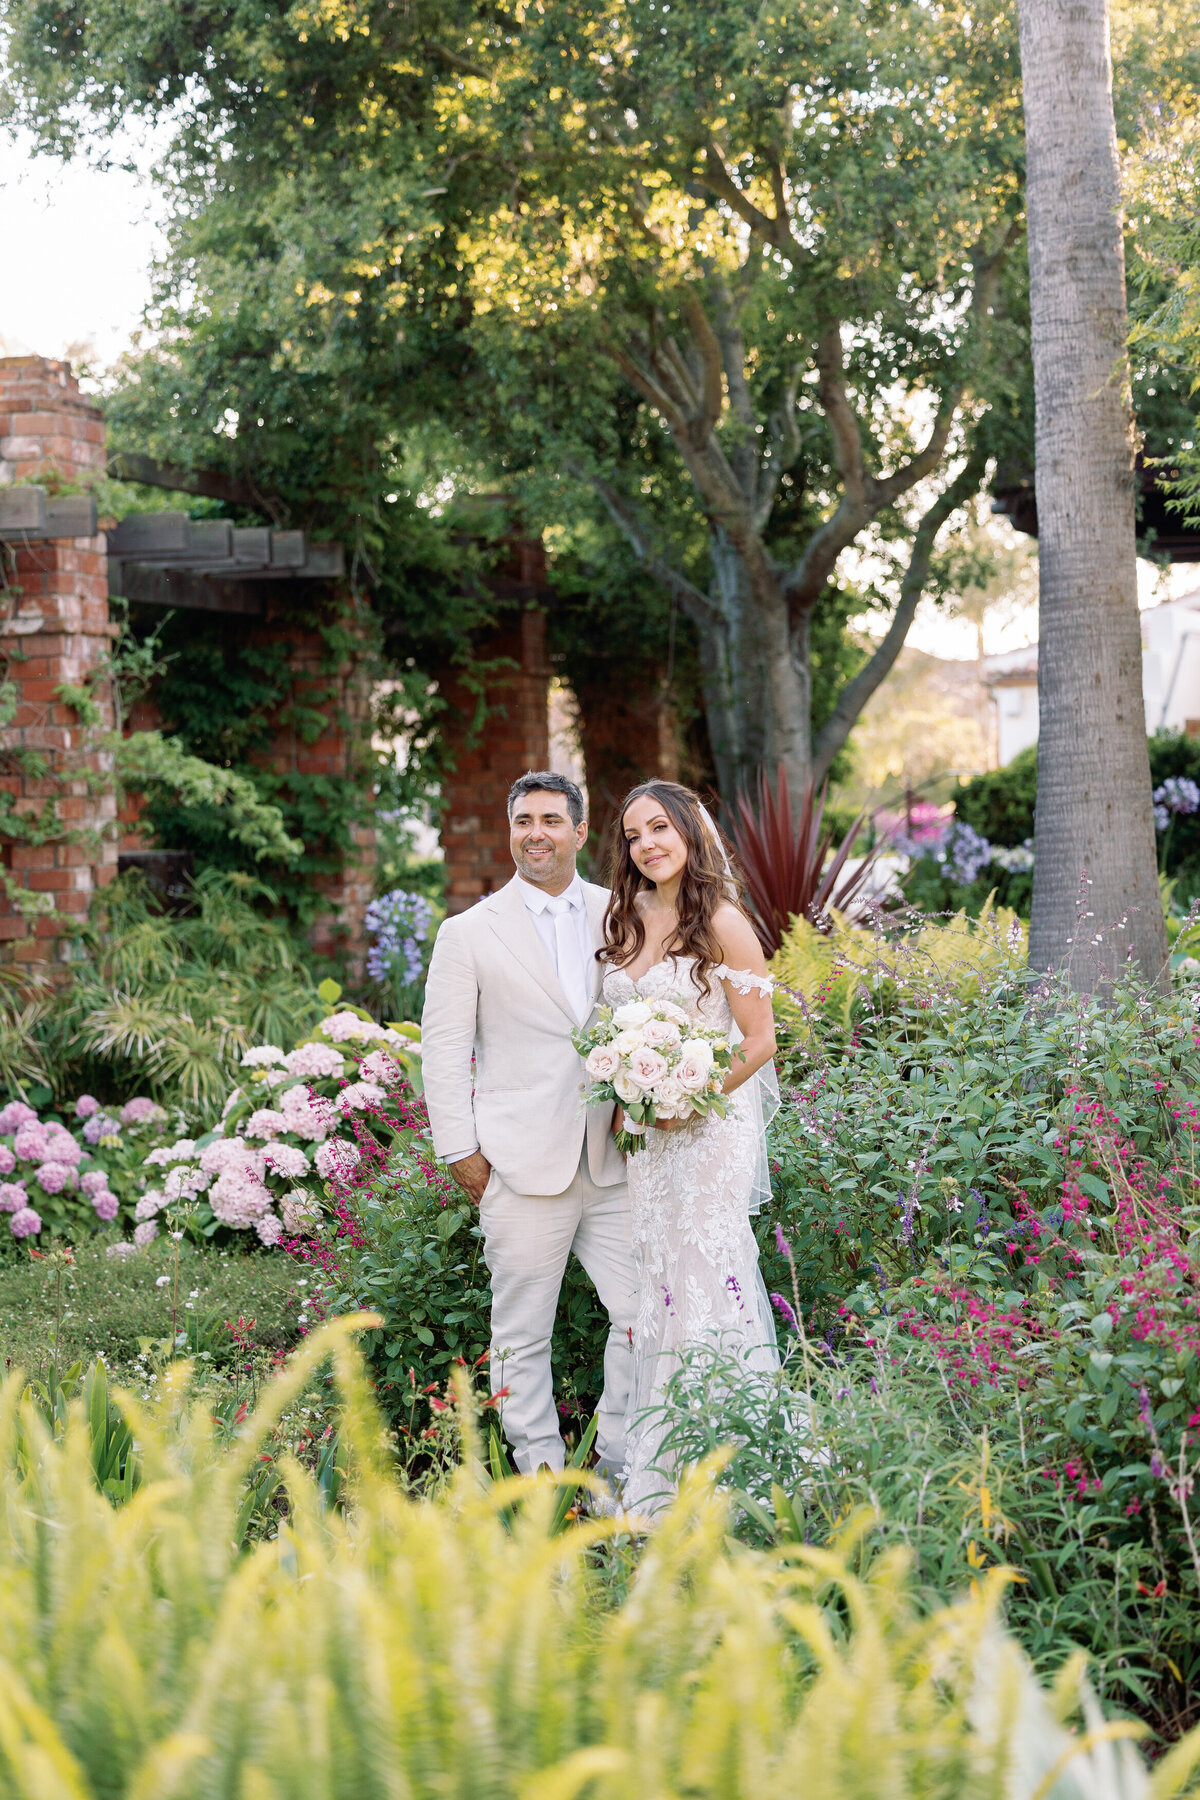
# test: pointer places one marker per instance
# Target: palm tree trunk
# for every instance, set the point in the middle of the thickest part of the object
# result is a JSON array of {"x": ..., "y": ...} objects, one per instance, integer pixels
[{"x": 1095, "y": 895}]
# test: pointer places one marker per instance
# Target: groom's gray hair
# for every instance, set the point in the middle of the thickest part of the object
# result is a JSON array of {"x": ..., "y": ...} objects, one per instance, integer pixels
[{"x": 542, "y": 781}]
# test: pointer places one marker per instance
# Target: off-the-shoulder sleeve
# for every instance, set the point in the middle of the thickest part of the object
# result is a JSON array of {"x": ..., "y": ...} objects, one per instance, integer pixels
[{"x": 744, "y": 981}]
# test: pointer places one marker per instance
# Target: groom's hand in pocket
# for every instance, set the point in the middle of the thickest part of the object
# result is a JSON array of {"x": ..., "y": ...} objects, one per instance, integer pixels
[{"x": 472, "y": 1174}]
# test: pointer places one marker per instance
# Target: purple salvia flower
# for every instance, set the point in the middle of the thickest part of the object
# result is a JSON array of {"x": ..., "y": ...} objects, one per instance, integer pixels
[{"x": 784, "y": 1310}]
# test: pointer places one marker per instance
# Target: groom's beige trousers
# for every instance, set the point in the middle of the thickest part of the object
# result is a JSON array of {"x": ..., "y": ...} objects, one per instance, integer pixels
[{"x": 527, "y": 1241}]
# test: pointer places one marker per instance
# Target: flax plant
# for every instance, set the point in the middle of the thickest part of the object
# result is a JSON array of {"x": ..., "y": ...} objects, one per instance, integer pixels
[{"x": 401, "y": 1649}]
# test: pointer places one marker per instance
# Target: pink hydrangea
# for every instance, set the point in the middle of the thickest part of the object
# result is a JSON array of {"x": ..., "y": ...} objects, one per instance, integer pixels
[
  {"x": 286, "y": 1159},
  {"x": 32, "y": 1142},
  {"x": 14, "y": 1115},
  {"x": 93, "y": 1182},
  {"x": 269, "y": 1229},
  {"x": 379, "y": 1066},
  {"x": 149, "y": 1204},
  {"x": 265, "y": 1123},
  {"x": 85, "y": 1106},
  {"x": 61, "y": 1147},
  {"x": 184, "y": 1183},
  {"x": 53, "y": 1177},
  {"x": 308, "y": 1115},
  {"x": 139, "y": 1110},
  {"x": 26, "y": 1223},
  {"x": 8, "y": 1161},
  {"x": 124, "y": 1248},
  {"x": 105, "y": 1204},
  {"x": 145, "y": 1233},
  {"x": 238, "y": 1198},
  {"x": 299, "y": 1210},
  {"x": 12, "y": 1196},
  {"x": 343, "y": 1027},
  {"x": 314, "y": 1062},
  {"x": 182, "y": 1150},
  {"x": 262, "y": 1055},
  {"x": 360, "y": 1094},
  {"x": 231, "y": 1153},
  {"x": 336, "y": 1159}
]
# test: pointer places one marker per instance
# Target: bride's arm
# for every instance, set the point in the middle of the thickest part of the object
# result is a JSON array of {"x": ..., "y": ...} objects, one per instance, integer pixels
[{"x": 741, "y": 950}]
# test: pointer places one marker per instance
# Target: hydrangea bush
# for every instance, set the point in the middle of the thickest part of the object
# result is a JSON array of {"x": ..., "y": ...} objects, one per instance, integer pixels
[
  {"x": 291, "y": 1127},
  {"x": 58, "y": 1179}
]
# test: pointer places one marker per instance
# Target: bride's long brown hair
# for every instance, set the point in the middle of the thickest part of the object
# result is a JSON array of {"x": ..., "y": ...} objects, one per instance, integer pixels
[{"x": 706, "y": 883}]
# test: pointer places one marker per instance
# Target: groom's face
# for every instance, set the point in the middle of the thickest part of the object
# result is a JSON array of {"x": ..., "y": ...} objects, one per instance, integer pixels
[{"x": 543, "y": 840}]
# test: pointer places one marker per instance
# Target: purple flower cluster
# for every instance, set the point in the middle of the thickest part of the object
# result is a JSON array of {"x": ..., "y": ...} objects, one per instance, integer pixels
[
  {"x": 399, "y": 923},
  {"x": 43, "y": 1156},
  {"x": 1176, "y": 795}
]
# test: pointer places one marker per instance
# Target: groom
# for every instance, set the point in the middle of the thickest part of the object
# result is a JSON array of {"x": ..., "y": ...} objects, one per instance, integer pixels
[{"x": 509, "y": 982}]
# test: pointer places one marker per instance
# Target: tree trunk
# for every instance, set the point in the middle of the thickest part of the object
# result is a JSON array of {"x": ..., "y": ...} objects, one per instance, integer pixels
[{"x": 1095, "y": 884}]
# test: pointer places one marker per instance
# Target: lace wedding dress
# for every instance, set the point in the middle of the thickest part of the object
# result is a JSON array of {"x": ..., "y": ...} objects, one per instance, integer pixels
[{"x": 691, "y": 1194}]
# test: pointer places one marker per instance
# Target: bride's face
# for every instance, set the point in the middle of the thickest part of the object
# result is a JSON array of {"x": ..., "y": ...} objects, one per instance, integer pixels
[{"x": 657, "y": 849}]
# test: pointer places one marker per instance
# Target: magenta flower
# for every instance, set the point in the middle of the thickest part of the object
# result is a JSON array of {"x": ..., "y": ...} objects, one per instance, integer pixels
[
  {"x": 53, "y": 1177},
  {"x": 12, "y": 1196},
  {"x": 26, "y": 1223},
  {"x": 85, "y": 1106},
  {"x": 784, "y": 1310},
  {"x": 8, "y": 1161},
  {"x": 14, "y": 1115}
]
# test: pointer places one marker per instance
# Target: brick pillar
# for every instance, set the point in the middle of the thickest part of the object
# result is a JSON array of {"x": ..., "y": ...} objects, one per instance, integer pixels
[
  {"x": 515, "y": 737},
  {"x": 54, "y": 629},
  {"x": 628, "y": 735}
]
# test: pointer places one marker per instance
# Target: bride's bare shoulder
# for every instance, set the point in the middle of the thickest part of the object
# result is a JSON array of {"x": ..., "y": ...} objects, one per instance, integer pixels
[{"x": 740, "y": 948}]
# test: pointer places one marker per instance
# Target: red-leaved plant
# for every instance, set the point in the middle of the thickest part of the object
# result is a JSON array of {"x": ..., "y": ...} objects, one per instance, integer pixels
[{"x": 786, "y": 860}]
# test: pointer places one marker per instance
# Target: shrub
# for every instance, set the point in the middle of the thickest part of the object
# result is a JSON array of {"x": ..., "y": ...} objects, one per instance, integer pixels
[
  {"x": 456, "y": 1649},
  {"x": 66, "y": 1180}
]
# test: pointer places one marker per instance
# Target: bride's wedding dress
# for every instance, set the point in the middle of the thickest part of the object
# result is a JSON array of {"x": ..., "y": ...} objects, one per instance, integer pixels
[{"x": 691, "y": 1194}]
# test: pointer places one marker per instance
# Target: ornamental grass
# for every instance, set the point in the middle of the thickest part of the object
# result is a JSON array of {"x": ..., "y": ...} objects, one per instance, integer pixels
[{"x": 399, "y": 1649}]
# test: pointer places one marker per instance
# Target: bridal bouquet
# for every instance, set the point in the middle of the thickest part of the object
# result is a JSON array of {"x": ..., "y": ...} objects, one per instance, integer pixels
[{"x": 656, "y": 1060}]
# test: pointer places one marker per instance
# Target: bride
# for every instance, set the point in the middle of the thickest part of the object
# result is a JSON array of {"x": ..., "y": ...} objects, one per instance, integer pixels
[{"x": 674, "y": 931}]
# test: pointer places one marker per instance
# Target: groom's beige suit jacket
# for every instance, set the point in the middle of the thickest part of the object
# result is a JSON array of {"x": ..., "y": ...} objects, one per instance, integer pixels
[{"x": 492, "y": 990}]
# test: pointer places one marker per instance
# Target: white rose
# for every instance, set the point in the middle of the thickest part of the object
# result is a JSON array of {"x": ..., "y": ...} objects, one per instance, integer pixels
[
  {"x": 692, "y": 1073},
  {"x": 670, "y": 1100},
  {"x": 660, "y": 1034},
  {"x": 626, "y": 1090},
  {"x": 603, "y": 1062},
  {"x": 698, "y": 1047},
  {"x": 627, "y": 1043},
  {"x": 647, "y": 1068},
  {"x": 633, "y": 1012}
]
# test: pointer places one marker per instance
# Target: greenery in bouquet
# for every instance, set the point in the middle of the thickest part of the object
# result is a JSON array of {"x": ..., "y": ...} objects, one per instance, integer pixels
[
  {"x": 60, "y": 1180},
  {"x": 298, "y": 1120},
  {"x": 656, "y": 1061}
]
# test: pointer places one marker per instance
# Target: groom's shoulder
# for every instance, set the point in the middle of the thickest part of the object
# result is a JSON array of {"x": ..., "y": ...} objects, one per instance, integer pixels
[
  {"x": 464, "y": 923},
  {"x": 594, "y": 890}
]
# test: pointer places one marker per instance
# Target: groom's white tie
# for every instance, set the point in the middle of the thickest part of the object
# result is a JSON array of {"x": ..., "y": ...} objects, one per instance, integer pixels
[{"x": 568, "y": 962}]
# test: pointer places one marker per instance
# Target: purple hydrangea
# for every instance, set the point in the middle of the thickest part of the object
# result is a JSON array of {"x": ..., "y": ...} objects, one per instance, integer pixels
[
  {"x": 400, "y": 923},
  {"x": 85, "y": 1106},
  {"x": 12, "y": 1196},
  {"x": 8, "y": 1161},
  {"x": 93, "y": 1182},
  {"x": 61, "y": 1147},
  {"x": 26, "y": 1223},
  {"x": 101, "y": 1124},
  {"x": 14, "y": 1115},
  {"x": 105, "y": 1204}
]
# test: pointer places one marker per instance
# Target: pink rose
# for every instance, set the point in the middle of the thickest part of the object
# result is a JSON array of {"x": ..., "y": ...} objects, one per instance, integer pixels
[
  {"x": 647, "y": 1067},
  {"x": 603, "y": 1062},
  {"x": 660, "y": 1034},
  {"x": 692, "y": 1072}
]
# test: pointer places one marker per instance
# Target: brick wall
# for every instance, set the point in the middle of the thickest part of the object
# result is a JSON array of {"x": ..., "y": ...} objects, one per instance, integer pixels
[
  {"x": 54, "y": 629},
  {"x": 515, "y": 737}
]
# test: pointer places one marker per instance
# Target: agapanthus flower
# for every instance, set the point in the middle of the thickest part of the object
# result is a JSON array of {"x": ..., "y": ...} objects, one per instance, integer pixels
[
  {"x": 399, "y": 922},
  {"x": 145, "y": 1233},
  {"x": 86, "y": 1105},
  {"x": 261, "y": 1055},
  {"x": 12, "y": 1196},
  {"x": 26, "y": 1223},
  {"x": 105, "y": 1204},
  {"x": 14, "y": 1115},
  {"x": 140, "y": 1110}
]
